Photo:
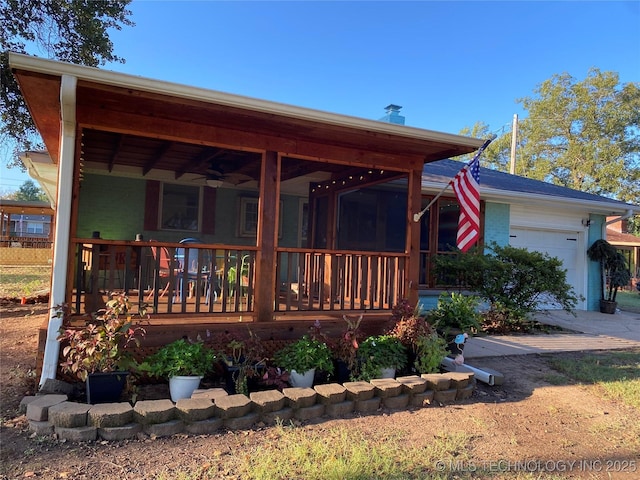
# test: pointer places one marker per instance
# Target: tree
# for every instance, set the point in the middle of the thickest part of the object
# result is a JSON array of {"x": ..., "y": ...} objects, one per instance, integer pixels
[
  {"x": 74, "y": 31},
  {"x": 581, "y": 135},
  {"x": 29, "y": 191}
]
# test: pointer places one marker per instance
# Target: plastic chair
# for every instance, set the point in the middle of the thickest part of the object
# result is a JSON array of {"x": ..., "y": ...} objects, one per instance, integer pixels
[
  {"x": 232, "y": 277},
  {"x": 163, "y": 259},
  {"x": 192, "y": 271}
]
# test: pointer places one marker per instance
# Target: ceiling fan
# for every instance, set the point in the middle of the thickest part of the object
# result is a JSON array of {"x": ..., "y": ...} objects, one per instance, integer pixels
[{"x": 216, "y": 175}]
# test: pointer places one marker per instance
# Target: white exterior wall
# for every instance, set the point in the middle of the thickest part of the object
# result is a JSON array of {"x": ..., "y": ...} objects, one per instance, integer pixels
[{"x": 559, "y": 233}]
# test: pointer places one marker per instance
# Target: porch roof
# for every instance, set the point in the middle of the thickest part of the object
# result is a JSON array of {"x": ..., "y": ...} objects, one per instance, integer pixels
[{"x": 197, "y": 124}]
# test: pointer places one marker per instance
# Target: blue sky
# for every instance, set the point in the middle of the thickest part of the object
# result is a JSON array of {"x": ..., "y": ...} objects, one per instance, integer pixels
[{"x": 448, "y": 64}]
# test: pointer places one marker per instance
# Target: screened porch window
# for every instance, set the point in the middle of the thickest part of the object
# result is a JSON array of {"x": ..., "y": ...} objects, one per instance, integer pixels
[{"x": 369, "y": 219}]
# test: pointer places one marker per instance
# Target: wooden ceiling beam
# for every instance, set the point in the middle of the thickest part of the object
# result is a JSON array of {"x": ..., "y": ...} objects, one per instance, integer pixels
[
  {"x": 219, "y": 136},
  {"x": 156, "y": 157}
]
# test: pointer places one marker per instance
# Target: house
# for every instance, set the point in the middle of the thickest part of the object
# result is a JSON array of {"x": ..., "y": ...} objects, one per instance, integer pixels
[
  {"x": 298, "y": 214},
  {"x": 530, "y": 214},
  {"x": 628, "y": 244},
  {"x": 25, "y": 224},
  {"x": 223, "y": 211}
]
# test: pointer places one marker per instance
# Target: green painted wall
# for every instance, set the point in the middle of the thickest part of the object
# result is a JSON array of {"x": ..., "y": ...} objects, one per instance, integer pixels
[{"x": 114, "y": 206}]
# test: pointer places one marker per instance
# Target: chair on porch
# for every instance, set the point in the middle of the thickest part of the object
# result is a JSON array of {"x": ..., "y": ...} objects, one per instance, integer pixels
[
  {"x": 241, "y": 283},
  {"x": 195, "y": 273},
  {"x": 163, "y": 260}
]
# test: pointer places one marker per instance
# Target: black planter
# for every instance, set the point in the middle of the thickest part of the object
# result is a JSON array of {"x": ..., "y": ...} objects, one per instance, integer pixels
[
  {"x": 608, "y": 307},
  {"x": 231, "y": 374},
  {"x": 105, "y": 387},
  {"x": 343, "y": 373}
]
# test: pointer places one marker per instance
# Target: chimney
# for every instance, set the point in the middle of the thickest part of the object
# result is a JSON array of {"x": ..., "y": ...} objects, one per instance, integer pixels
[{"x": 393, "y": 115}]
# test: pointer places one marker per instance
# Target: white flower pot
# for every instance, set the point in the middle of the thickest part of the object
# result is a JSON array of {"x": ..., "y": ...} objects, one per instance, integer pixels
[
  {"x": 388, "y": 373},
  {"x": 183, "y": 387},
  {"x": 302, "y": 380}
]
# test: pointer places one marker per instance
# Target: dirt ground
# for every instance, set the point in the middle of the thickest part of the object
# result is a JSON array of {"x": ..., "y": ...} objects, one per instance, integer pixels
[{"x": 525, "y": 420}]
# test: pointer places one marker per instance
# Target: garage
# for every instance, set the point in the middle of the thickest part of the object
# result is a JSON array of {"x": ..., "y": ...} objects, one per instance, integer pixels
[{"x": 567, "y": 246}]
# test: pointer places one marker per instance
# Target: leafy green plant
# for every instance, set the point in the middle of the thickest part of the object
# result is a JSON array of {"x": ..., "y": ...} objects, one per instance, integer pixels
[
  {"x": 103, "y": 344},
  {"x": 456, "y": 312},
  {"x": 180, "y": 358},
  {"x": 517, "y": 279},
  {"x": 379, "y": 352},
  {"x": 305, "y": 354},
  {"x": 430, "y": 350},
  {"x": 613, "y": 266}
]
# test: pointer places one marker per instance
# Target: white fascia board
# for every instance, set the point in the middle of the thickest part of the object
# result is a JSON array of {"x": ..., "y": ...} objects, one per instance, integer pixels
[
  {"x": 106, "y": 77},
  {"x": 603, "y": 207}
]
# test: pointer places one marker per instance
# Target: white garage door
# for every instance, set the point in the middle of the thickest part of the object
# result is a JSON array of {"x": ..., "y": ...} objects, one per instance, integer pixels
[{"x": 564, "y": 245}]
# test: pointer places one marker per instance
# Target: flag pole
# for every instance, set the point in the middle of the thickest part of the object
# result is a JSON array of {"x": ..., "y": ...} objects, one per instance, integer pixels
[{"x": 418, "y": 216}]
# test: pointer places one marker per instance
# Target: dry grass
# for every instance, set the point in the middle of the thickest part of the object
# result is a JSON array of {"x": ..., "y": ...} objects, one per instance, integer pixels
[{"x": 19, "y": 281}]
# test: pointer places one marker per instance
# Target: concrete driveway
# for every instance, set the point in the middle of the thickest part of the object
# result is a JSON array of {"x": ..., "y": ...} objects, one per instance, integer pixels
[{"x": 586, "y": 331}]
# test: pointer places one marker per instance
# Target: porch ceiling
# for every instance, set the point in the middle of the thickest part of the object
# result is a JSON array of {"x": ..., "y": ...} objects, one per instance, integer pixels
[{"x": 152, "y": 125}]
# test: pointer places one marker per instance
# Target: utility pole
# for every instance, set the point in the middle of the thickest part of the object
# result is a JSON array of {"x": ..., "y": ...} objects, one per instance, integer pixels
[{"x": 514, "y": 137}]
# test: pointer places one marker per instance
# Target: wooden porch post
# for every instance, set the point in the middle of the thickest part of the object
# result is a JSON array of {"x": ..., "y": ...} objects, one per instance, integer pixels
[
  {"x": 413, "y": 235},
  {"x": 267, "y": 236}
]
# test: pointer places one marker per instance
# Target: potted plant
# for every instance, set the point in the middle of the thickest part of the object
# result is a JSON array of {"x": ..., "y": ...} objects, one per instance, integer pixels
[
  {"x": 345, "y": 348},
  {"x": 614, "y": 268},
  {"x": 302, "y": 358},
  {"x": 380, "y": 356},
  {"x": 410, "y": 327},
  {"x": 99, "y": 353},
  {"x": 184, "y": 363},
  {"x": 455, "y": 314}
]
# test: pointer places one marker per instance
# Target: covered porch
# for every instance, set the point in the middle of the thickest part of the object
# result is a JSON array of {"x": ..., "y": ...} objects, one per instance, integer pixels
[{"x": 220, "y": 209}]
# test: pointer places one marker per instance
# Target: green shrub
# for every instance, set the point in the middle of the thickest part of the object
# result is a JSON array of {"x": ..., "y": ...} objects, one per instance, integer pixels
[{"x": 516, "y": 279}]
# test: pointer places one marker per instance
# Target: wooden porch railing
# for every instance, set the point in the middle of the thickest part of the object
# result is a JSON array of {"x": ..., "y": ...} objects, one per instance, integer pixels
[
  {"x": 25, "y": 242},
  {"x": 194, "y": 278},
  {"x": 339, "y": 280},
  {"x": 171, "y": 277}
]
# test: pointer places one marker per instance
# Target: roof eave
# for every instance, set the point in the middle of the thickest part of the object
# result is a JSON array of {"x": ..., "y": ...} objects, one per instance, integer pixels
[
  {"x": 55, "y": 68},
  {"x": 603, "y": 207}
]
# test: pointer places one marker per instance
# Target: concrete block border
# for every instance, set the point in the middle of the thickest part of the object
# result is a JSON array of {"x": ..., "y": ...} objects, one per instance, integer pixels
[{"x": 209, "y": 411}]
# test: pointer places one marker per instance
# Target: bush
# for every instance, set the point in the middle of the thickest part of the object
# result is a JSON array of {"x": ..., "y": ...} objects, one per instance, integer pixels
[
  {"x": 409, "y": 325},
  {"x": 514, "y": 278}
]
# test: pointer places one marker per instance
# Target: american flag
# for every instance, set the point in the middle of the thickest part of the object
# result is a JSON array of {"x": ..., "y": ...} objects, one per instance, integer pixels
[{"x": 466, "y": 185}]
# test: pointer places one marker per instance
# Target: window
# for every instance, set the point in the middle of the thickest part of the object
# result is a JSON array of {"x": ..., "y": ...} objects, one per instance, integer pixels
[
  {"x": 248, "y": 217},
  {"x": 35, "y": 228},
  {"x": 438, "y": 230},
  {"x": 368, "y": 219},
  {"x": 181, "y": 207}
]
